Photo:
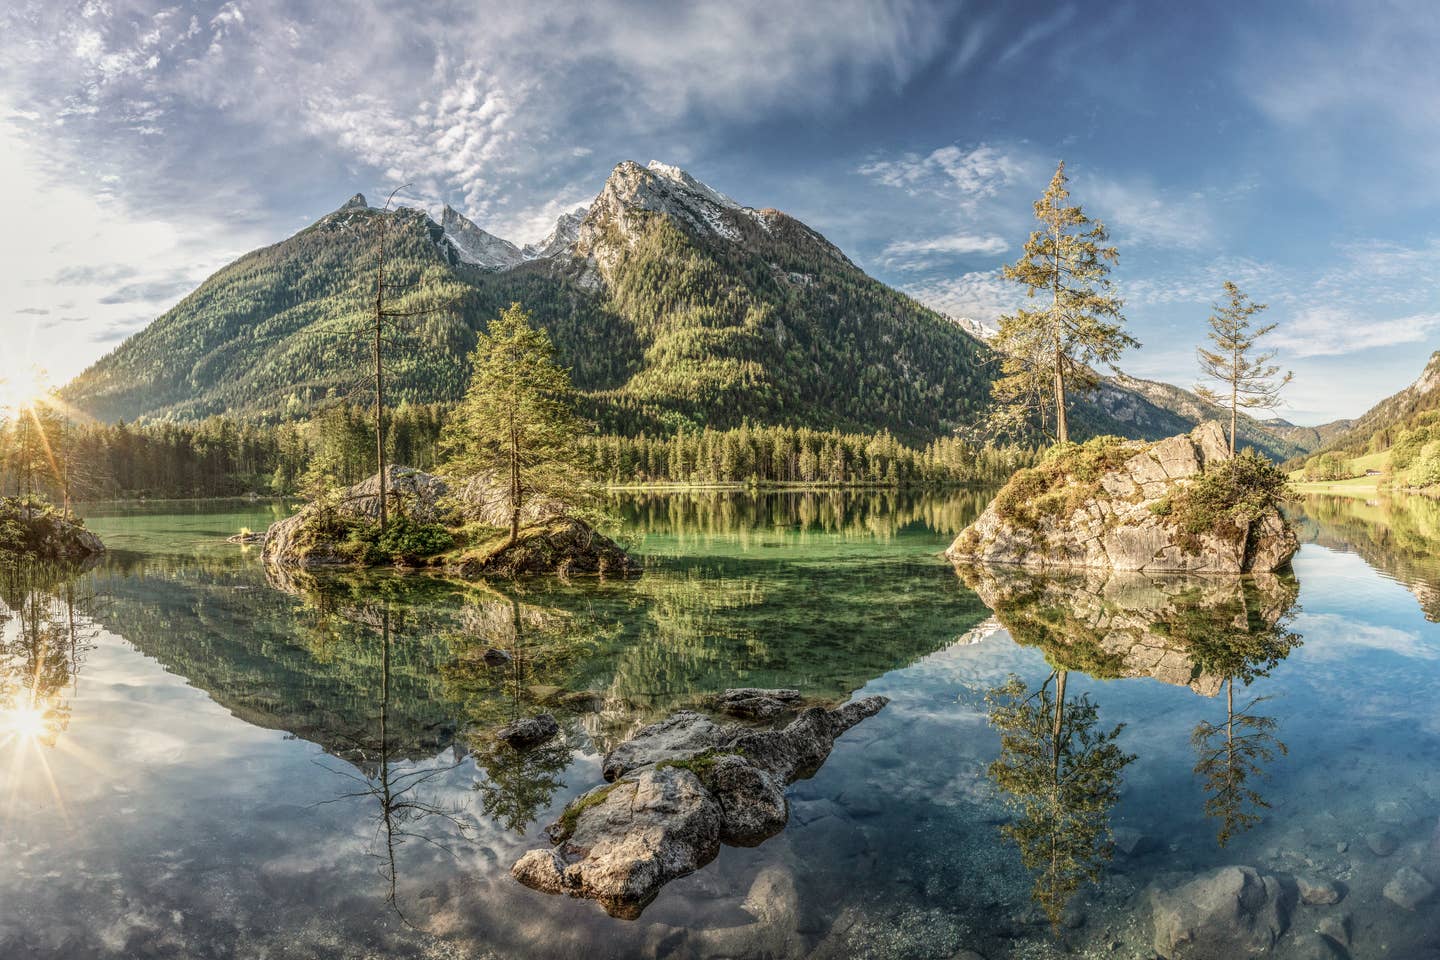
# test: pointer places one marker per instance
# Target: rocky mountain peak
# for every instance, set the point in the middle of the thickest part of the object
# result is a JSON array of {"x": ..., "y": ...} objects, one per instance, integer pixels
[
  {"x": 561, "y": 238},
  {"x": 475, "y": 246},
  {"x": 357, "y": 202}
]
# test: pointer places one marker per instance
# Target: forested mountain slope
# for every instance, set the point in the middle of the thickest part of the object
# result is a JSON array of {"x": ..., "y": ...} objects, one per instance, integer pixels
[{"x": 673, "y": 305}]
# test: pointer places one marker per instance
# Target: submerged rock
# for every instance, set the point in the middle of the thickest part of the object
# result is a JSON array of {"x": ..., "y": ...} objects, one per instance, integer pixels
[
  {"x": 1315, "y": 892},
  {"x": 754, "y": 703},
  {"x": 1408, "y": 888},
  {"x": 680, "y": 788},
  {"x": 1108, "y": 506},
  {"x": 247, "y": 537},
  {"x": 1229, "y": 912},
  {"x": 528, "y": 732}
]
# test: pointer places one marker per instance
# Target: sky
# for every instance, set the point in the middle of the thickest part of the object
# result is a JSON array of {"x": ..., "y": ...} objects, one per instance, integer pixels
[{"x": 1293, "y": 148}]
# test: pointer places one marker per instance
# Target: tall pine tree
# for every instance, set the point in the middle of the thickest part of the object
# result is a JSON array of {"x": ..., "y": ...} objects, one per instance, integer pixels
[
  {"x": 1247, "y": 379},
  {"x": 1049, "y": 351},
  {"x": 517, "y": 423}
]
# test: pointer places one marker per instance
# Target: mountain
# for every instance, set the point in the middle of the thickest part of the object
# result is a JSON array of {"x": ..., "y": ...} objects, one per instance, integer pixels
[
  {"x": 1380, "y": 426},
  {"x": 673, "y": 305}
]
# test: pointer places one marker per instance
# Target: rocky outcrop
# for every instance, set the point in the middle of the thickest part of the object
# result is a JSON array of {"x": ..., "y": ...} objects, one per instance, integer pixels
[
  {"x": 679, "y": 789},
  {"x": 1124, "y": 624},
  {"x": 1108, "y": 507},
  {"x": 1229, "y": 912},
  {"x": 754, "y": 703},
  {"x": 528, "y": 732},
  {"x": 549, "y": 541},
  {"x": 563, "y": 545},
  {"x": 35, "y": 530}
]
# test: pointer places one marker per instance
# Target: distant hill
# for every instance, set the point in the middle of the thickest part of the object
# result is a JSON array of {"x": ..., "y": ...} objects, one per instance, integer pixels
[
  {"x": 673, "y": 305},
  {"x": 1383, "y": 424}
]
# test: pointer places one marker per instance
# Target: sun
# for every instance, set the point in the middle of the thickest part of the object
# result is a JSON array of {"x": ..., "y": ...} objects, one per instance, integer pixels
[
  {"x": 23, "y": 723},
  {"x": 20, "y": 385}
]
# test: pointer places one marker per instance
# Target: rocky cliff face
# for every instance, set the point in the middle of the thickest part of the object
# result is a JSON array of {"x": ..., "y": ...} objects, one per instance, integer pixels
[
  {"x": 37, "y": 532},
  {"x": 1108, "y": 507}
]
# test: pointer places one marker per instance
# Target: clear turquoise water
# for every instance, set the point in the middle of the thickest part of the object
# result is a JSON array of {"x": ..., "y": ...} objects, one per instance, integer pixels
[{"x": 221, "y": 765}]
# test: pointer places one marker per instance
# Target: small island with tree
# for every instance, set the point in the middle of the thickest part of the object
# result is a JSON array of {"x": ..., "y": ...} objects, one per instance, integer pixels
[{"x": 515, "y": 493}]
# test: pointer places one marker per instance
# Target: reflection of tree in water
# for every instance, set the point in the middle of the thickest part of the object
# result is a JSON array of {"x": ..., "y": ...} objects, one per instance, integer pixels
[
  {"x": 1394, "y": 534},
  {"x": 519, "y": 783},
  {"x": 746, "y": 515},
  {"x": 1202, "y": 632},
  {"x": 43, "y": 637},
  {"x": 405, "y": 813},
  {"x": 1062, "y": 774},
  {"x": 1231, "y": 756}
]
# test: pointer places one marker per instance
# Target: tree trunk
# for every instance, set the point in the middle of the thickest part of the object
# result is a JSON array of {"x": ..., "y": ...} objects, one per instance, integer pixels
[
  {"x": 380, "y": 380},
  {"x": 514, "y": 487}
]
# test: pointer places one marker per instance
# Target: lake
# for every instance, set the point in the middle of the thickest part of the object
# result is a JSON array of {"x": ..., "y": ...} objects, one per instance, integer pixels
[{"x": 200, "y": 761}]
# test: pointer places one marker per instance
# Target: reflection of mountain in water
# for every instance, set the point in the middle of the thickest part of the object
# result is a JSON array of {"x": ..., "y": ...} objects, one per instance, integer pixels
[
  {"x": 1396, "y": 535},
  {"x": 1116, "y": 624},
  {"x": 305, "y": 655}
]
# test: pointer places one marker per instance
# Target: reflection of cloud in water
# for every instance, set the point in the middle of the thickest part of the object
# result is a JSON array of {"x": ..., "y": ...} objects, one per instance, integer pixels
[{"x": 1332, "y": 636}]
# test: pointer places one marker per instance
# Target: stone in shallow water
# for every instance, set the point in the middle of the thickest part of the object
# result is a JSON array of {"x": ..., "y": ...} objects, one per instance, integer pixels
[
  {"x": 528, "y": 731},
  {"x": 1408, "y": 888},
  {"x": 755, "y": 703},
  {"x": 1317, "y": 892},
  {"x": 680, "y": 788},
  {"x": 1336, "y": 929},
  {"x": 1132, "y": 842},
  {"x": 1229, "y": 912},
  {"x": 494, "y": 657},
  {"x": 1380, "y": 843}
]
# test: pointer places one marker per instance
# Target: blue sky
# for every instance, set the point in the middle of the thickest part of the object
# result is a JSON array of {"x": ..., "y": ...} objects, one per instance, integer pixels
[{"x": 1293, "y": 148}]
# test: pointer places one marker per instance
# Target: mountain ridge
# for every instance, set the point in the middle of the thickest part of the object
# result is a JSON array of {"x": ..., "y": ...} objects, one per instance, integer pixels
[{"x": 675, "y": 305}]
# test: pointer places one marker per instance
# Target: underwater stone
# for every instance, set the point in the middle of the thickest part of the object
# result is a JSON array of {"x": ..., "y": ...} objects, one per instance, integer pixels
[
  {"x": 528, "y": 731},
  {"x": 1408, "y": 888},
  {"x": 1317, "y": 892},
  {"x": 1380, "y": 843},
  {"x": 1229, "y": 912}
]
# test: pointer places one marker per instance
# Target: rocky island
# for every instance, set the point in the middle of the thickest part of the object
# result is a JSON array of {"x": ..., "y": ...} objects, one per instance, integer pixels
[
  {"x": 456, "y": 528},
  {"x": 1179, "y": 505},
  {"x": 34, "y": 529}
]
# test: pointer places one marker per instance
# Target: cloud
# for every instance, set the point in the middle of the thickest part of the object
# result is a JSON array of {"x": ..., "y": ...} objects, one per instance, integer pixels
[
  {"x": 152, "y": 291},
  {"x": 34, "y": 311},
  {"x": 924, "y": 254},
  {"x": 87, "y": 274},
  {"x": 983, "y": 296},
  {"x": 1138, "y": 213},
  {"x": 1325, "y": 331},
  {"x": 975, "y": 173}
]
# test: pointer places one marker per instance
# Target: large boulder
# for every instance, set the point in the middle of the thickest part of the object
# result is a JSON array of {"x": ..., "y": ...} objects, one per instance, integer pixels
[
  {"x": 1225, "y": 914},
  {"x": 680, "y": 788},
  {"x": 1106, "y": 505}
]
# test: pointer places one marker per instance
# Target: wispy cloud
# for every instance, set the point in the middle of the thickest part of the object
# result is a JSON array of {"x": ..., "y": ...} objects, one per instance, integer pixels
[
  {"x": 1324, "y": 331},
  {"x": 982, "y": 295},
  {"x": 925, "y": 254},
  {"x": 971, "y": 174}
]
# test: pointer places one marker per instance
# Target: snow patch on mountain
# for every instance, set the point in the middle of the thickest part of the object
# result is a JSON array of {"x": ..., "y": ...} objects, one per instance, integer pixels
[
  {"x": 477, "y": 247},
  {"x": 561, "y": 238},
  {"x": 977, "y": 329}
]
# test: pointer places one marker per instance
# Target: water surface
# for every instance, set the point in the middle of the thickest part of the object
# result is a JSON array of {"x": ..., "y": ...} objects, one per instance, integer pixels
[{"x": 203, "y": 762}]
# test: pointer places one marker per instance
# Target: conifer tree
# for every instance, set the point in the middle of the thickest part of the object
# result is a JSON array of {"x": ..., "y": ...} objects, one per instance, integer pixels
[
  {"x": 1248, "y": 379},
  {"x": 517, "y": 422},
  {"x": 1048, "y": 352}
]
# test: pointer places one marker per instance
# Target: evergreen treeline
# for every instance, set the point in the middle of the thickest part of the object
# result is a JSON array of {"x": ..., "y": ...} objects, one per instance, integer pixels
[
  {"x": 788, "y": 455},
  {"x": 223, "y": 456}
]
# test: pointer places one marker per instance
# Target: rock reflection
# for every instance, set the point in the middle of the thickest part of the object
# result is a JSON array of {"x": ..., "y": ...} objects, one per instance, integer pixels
[{"x": 1060, "y": 768}]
